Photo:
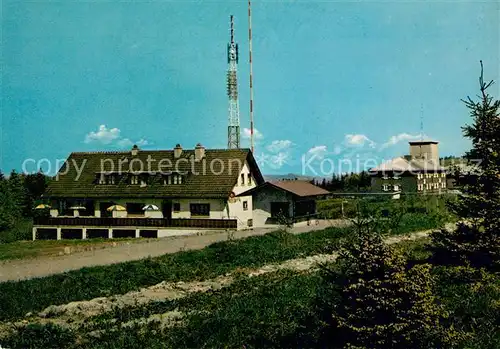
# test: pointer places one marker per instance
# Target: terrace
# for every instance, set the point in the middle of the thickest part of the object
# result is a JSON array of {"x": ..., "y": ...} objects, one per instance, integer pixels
[{"x": 108, "y": 227}]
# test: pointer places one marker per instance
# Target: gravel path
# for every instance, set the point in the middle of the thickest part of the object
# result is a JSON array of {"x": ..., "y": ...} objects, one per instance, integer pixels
[{"x": 44, "y": 266}]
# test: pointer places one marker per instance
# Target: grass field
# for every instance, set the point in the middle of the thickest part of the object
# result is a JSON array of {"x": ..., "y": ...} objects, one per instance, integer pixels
[
  {"x": 268, "y": 311},
  {"x": 39, "y": 248},
  {"x": 274, "y": 308},
  {"x": 18, "y": 298}
]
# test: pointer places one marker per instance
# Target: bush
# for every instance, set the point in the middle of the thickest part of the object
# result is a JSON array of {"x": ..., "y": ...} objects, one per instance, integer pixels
[
  {"x": 40, "y": 336},
  {"x": 22, "y": 229},
  {"x": 378, "y": 304}
]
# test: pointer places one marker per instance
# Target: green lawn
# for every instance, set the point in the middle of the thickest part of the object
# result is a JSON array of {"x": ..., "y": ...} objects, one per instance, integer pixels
[{"x": 31, "y": 249}]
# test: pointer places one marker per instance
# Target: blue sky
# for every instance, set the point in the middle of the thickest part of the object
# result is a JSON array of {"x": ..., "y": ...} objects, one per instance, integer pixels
[{"x": 332, "y": 79}]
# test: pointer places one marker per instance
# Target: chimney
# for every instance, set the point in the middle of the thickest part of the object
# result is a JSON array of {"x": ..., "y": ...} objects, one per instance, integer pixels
[
  {"x": 177, "y": 151},
  {"x": 199, "y": 152},
  {"x": 135, "y": 150}
]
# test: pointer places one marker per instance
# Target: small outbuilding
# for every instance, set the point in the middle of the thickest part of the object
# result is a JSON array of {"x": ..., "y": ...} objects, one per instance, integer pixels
[{"x": 292, "y": 200}]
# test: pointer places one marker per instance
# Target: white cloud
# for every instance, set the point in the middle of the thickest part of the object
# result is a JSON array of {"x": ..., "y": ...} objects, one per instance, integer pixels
[
  {"x": 125, "y": 143},
  {"x": 318, "y": 151},
  {"x": 359, "y": 140},
  {"x": 279, "y": 146},
  {"x": 399, "y": 138},
  {"x": 111, "y": 137},
  {"x": 142, "y": 142},
  {"x": 256, "y": 134},
  {"x": 103, "y": 135}
]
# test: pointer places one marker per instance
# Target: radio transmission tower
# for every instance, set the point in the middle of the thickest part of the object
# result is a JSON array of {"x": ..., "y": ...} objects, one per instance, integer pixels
[
  {"x": 250, "y": 61},
  {"x": 233, "y": 129}
]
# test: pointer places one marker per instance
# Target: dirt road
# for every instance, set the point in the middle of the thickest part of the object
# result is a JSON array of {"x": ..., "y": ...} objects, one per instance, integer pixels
[{"x": 44, "y": 266}]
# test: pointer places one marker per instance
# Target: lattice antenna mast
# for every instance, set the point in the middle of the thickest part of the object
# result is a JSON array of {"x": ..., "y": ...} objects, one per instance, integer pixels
[
  {"x": 233, "y": 129},
  {"x": 251, "y": 72}
]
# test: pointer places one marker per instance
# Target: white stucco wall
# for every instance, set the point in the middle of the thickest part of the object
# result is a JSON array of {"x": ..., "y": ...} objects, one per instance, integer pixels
[
  {"x": 239, "y": 188},
  {"x": 262, "y": 204}
]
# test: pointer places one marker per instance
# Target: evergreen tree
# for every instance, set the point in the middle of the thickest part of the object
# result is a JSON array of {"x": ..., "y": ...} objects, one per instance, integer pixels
[
  {"x": 379, "y": 304},
  {"x": 477, "y": 238},
  {"x": 7, "y": 208},
  {"x": 35, "y": 185},
  {"x": 2, "y": 177},
  {"x": 17, "y": 192}
]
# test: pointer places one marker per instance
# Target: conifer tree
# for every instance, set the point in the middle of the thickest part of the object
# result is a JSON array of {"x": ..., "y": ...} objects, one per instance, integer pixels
[
  {"x": 378, "y": 303},
  {"x": 477, "y": 238}
]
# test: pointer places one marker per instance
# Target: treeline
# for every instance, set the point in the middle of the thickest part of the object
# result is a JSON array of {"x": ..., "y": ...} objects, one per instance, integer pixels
[
  {"x": 354, "y": 182},
  {"x": 18, "y": 195}
]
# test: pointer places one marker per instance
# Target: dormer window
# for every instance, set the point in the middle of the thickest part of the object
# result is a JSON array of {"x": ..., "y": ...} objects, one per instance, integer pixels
[
  {"x": 249, "y": 179},
  {"x": 103, "y": 179},
  {"x": 177, "y": 179},
  {"x": 110, "y": 179},
  {"x": 173, "y": 179},
  {"x": 242, "y": 179},
  {"x": 134, "y": 180}
]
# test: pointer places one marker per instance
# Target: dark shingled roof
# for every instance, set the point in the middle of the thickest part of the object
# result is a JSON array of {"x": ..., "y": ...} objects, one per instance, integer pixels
[
  {"x": 200, "y": 183},
  {"x": 298, "y": 188}
]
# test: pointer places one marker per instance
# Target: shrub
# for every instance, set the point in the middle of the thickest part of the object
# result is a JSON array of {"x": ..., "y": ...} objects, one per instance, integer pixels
[{"x": 378, "y": 304}]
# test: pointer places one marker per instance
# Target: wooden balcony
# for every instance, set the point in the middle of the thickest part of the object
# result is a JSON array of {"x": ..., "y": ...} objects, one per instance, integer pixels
[{"x": 109, "y": 222}]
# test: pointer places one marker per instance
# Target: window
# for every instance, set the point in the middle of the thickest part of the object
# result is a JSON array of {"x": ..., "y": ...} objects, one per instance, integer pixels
[
  {"x": 420, "y": 187},
  {"x": 385, "y": 177},
  {"x": 385, "y": 187},
  {"x": 443, "y": 185},
  {"x": 443, "y": 174},
  {"x": 101, "y": 179},
  {"x": 249, "y": 179},
  {"x": 177, "y": 207},
  {"x": 134, "y": 180},
  {"x": 396, "y": 187},
  {"x": 172, "y": 179},
  {"x": 245, "y": 205},
  {"x": 396, "y": 176},
  {"x": 198, "y": 210},
  {"x": 110, "y": 179},
  {"x": 242, "y": 179}
]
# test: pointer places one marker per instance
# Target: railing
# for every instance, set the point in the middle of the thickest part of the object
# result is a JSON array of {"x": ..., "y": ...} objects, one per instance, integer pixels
[{"x": 137, "y": 222}]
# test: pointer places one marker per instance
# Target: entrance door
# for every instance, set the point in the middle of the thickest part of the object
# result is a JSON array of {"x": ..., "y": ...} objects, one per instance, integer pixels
[{"x": 167, "y": 209}]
